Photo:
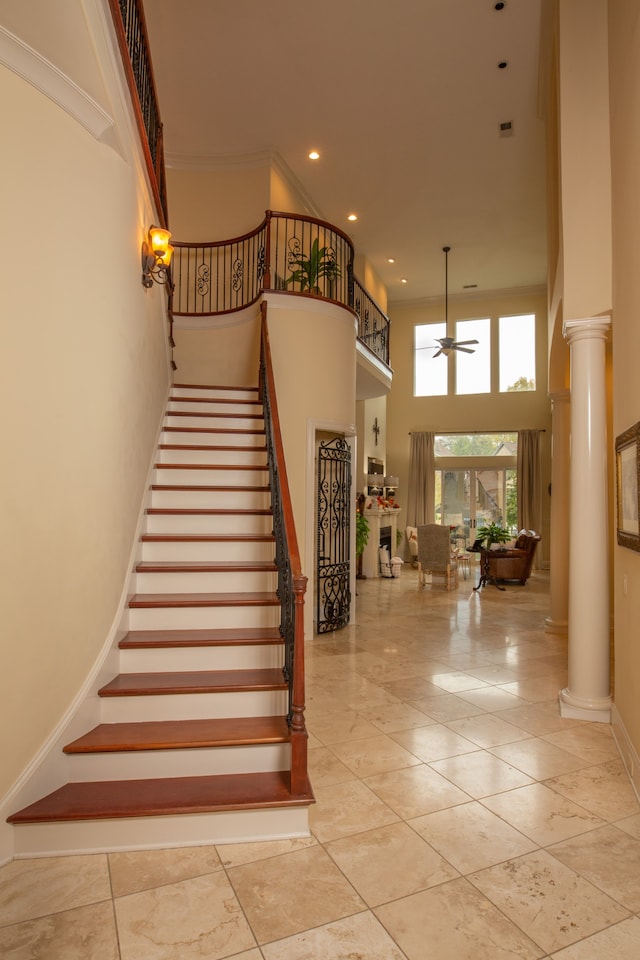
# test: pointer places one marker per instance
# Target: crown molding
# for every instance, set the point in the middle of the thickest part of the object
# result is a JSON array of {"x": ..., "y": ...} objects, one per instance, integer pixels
[{"x": 27, "y": 63}]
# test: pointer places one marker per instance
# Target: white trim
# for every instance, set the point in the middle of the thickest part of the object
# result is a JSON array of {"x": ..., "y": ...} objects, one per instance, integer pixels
[
  {"x": 47, "y": 769},
  {"x": 27, "y": 63},
  {"x": 628, "y": 753}
]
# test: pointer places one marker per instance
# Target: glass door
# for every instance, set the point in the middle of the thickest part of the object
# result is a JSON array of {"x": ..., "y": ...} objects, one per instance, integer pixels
[{"x": 469, "y": 498}]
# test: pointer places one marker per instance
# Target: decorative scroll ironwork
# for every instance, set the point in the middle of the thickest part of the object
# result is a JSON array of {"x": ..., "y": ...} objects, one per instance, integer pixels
[
  {"x": 333, "y": 594},
  {"x": 204, "y": 276},
  {"x": 236, "y": 274}
]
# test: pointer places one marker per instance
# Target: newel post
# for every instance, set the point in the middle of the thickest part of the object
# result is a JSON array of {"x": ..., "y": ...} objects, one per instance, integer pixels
[{"x": 299, "y": 737}]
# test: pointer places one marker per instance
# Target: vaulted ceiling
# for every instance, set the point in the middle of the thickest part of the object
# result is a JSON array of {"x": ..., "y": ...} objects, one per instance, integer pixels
[{"x": 404, "y": 102}]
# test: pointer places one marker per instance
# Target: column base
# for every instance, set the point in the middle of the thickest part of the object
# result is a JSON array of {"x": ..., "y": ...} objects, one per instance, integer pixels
[
  {"x": 596, "y": 709},
  {"x": 559, "y": 627}
]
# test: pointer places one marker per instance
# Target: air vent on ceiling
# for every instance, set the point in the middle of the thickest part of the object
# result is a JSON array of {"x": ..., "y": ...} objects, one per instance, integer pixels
[{"x": 506, "y": 129}]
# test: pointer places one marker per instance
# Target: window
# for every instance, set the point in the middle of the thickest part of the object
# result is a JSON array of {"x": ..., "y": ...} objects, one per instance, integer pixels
[
  {"x": 431, "y": 377},
  {"x": 517, "y": 343},
  {"x": 473, "y": 370}
]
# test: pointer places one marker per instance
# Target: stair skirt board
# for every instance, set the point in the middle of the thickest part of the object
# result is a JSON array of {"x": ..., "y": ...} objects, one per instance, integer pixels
[{"x": 202, "y": 661}]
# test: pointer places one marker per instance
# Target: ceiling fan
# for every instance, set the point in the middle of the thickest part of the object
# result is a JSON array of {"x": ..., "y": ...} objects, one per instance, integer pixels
[{"x": 447, "y": 344}]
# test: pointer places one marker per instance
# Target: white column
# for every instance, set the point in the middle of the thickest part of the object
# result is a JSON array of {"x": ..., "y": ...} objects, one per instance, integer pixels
[
  {"x": 558, "y": 619},
  {"x": 588, "y": 694}
]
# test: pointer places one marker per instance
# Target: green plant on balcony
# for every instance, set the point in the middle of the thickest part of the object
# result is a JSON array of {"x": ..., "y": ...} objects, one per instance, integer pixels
[
  {"x": 307, "y": 271},
  {"x": 492, "y": 533}
]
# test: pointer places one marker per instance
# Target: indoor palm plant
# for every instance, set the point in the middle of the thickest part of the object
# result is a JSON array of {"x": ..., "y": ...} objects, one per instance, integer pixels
[
  {"x": 307, "y": 271},
  {"x": 491, "y": 533}
]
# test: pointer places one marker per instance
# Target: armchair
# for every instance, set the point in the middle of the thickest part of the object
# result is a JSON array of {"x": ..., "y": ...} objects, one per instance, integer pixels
[
  {"x": 434, "y": 555},
  {"x": 513, "y": 563}
]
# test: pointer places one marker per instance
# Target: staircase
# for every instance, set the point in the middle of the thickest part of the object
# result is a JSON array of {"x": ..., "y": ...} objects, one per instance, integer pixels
[{"x": 193, "y": 744}]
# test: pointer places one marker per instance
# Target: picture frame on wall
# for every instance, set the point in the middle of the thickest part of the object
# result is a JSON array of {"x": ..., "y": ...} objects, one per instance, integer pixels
[{"x": 628, "y": 487}]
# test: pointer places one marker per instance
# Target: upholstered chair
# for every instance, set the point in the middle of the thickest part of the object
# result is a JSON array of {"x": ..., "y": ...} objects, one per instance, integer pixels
[{"x": 434, "y": 555}]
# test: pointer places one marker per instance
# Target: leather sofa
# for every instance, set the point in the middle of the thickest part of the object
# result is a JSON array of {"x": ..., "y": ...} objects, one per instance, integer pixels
[{"x": 512, "y": 563}]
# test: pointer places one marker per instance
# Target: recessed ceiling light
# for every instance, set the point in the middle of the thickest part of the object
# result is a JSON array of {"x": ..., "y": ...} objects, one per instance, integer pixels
[
  {"x": 352, "y": 216},
  {"x": 314, "y": 155},
  {"x": 503, "y": 64},
  {"x": 391, "y": 259},
  {"x": 403, "y": 280}
]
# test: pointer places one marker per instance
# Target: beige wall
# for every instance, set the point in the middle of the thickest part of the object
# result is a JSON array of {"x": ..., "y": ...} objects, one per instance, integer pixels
[
  {"x": 477, "y": 413},
  {"x": 226, "y": 353},
  {"x": 217, "y": 204},
  {"x": 84, "y": 379},
  {"x": 624, "y": 59}
]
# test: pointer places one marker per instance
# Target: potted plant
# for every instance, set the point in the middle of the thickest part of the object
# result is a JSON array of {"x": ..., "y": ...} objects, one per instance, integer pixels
[
  {"x": 492, "y": 533},
  {"x": 362, "y": 538},
  {"x": 307, "y": 271}
]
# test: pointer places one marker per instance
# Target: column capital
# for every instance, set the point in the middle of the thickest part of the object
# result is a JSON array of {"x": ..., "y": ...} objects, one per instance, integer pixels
[{"x": 586, "y": 328}]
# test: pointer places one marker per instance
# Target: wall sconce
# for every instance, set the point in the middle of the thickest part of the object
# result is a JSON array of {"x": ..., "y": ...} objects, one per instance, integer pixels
[
  {"x": 391, "y": 484},
  {"x": 156, "y": 256}
]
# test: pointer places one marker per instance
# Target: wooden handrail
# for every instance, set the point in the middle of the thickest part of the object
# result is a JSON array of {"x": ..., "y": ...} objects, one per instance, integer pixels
[{"x": 292, "y": 583}]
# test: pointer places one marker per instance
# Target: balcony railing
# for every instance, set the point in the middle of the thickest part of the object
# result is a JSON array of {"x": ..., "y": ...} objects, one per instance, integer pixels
[
  {"x": 131, "y": 30},
  {"x": 288, "y": 253}
]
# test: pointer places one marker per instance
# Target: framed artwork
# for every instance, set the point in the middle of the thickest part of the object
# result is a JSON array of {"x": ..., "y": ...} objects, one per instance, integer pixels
[{"x": 628, "y": 487}]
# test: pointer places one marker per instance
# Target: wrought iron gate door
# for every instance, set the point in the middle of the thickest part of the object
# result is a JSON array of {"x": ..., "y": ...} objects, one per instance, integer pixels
[{"x": 334, "y": 528}]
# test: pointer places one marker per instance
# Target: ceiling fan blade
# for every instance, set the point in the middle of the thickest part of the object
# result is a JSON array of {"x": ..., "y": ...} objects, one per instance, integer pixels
[
  {"x": 463, "y": 349},
  {"x": 459, "y": 342},
  {"x": 437, "y": 354}
]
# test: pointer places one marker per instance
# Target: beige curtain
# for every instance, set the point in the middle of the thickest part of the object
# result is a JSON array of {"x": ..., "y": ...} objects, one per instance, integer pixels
[
  {"x": 529, "y": 483},
  {"x": 420, "y": 497}
]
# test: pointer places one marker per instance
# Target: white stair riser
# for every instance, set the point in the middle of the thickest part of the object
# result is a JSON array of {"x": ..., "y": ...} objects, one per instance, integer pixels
[
  {"x": 193, "y": 706},
  {"x": 220, "y": 405},
  {"x": 178, "y": 659},
  {"x": 203, "y": 762},
  {"x": 205, "y": 582},
  {"x": 208, "y": 550},
  {"x": 233, "y": 457},
  {"x": 201, "y": 476},
  {"x": 202, "y": 618},
  {"x": 212, "y": 499},
  {"x": 215, "y": 393},
  {"x": 137, "y": 833},
  {"x": 211, "y": 422},
  {"x": 180, "y": 523},
  {"x": 220, "y": 437}
]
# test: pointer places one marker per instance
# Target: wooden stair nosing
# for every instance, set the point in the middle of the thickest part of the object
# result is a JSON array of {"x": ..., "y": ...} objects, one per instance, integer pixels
[
  {"x": 194, "y": 681},
  {"x": 209, "y": 511},
  {"x": 212, "y": 637},
  {"x": 181, "y": 735},
  {"x": 212, "y": 488},
  {"x": 244, "y": 431},
  {"x": 100, "y": 800},
  {"x": 211, "y": 466},
  {"x": 207, "y": 537},
  {"x": 160, "y": 600},
  {"x": 206, "y": 566}
]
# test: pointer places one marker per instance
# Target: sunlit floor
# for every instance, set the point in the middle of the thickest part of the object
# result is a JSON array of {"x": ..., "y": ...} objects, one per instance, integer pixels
[{"x": 457, "y": 815}]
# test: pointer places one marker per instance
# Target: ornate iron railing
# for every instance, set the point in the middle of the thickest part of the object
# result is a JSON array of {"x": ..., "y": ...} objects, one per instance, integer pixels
[
  {"x": 131, "y": 30},
  {"x": 292, "y": 584},
  {"x": 288, "y": 253},
  {"x": 373, "y": 323}
]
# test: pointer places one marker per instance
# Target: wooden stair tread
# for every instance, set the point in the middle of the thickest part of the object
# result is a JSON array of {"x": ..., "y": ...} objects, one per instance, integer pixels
[
  {"x": 239, "y": 400},
  {"x": 218, "y": 414},
  {"x": 251, "y": 388},
  {"x": 238, "y": 448},
  {"x": 151, "y": 639},
  {"x": 208, "y": 511},
  {"x": 210, "y": 487},
  {"x": 194, "y": 681},
  {"x": 251, "y": 599},
  {"x": 205, "y": 566},
  {"x": 244, "y": 431},
  {"x": 207, "y": 537},
  {"x": 181, "y": 734},
  {"x": 211, "y": 466},
  {"x": 162, "y": 797}
]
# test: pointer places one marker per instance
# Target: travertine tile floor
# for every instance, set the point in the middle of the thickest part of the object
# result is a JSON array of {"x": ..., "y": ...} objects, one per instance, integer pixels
[{"x": 457, "y": 815}]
